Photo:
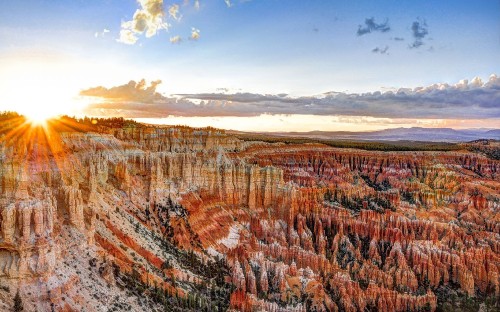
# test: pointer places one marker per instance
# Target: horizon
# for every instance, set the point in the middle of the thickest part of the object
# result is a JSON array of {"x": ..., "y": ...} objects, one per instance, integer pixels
[
  {"x": 46, "y": 123},
  {"x": 255, "y": 66}
]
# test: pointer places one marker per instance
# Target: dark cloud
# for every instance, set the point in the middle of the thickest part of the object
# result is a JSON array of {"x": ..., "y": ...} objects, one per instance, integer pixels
[
  {"x": 371, "y": 26},
  {"x": 463, "y": 100},
  {"x": 381, "y": 50},
  {"x": 419, "y": 30},
  {"x": 132, "y": 91}
]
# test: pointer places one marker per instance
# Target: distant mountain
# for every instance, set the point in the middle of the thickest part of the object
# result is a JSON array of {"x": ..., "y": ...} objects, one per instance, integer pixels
[
  {"x": 493, "y": 133},
  {"x": 407, "y": 134}
]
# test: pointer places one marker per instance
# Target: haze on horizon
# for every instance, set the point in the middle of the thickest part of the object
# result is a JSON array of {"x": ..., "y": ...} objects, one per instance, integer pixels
[{"x": 255, "y": 65}]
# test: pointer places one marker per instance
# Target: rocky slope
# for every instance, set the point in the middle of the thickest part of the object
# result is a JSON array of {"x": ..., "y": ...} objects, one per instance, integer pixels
[{"x": 151, "y": 219}]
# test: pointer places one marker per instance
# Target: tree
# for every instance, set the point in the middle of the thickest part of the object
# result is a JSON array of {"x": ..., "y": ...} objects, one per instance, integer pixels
[
  {"x": 328, "y": 195},
  {"x": 18, "y": 303}
]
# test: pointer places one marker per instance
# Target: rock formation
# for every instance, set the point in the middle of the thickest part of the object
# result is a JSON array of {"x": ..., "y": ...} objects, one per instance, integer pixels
[{"x": 291, "y": 227}]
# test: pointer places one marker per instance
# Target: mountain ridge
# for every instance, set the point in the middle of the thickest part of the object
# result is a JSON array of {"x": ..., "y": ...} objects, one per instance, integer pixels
[{"x": 398, "y": 134}]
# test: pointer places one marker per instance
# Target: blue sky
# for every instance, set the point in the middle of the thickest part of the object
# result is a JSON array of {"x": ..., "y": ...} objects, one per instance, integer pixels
[{"x": 301, "y": 48}]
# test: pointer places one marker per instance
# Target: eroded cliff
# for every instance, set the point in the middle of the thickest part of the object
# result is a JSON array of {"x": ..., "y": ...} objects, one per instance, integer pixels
[{"x": 140, "y": 218}]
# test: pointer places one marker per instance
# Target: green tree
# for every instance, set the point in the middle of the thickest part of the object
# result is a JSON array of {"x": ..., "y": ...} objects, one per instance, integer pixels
[
  {"x": 328, "y": 195},
  {"x": 18, "y": 303}
]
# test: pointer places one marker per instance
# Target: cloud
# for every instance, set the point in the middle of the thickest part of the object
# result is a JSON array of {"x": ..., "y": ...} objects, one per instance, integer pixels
[
  {"x": 132, "y": 91},
  {"x": 372, "y": 26},
  {"x": 381, "y": 50},
  {"x": 173, "y": 11},
  {"x": 149, "y": 19},
  {"x": 102, "y": 33},
  {"x": 464, "y": 100},
  {"x": 127, "y": 36},
  {"x": 195, "y": 34},
  {"x": 398, "y": 39},
  {"x": 175, "y": 39},
  {"x": 419, "y": 31}
]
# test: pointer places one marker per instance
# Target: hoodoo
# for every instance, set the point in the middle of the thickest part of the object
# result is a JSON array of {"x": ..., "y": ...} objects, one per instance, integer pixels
[{"x": 197, "y": 218}]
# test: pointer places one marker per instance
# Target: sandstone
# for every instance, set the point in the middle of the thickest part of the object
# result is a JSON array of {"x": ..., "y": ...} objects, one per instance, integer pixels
[{"x": 300, "y": 226}]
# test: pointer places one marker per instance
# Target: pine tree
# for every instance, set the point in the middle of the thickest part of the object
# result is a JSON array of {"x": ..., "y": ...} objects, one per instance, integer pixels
[
  {"x": 18, "y": 303},
  {"x": 174, "y": 284}
]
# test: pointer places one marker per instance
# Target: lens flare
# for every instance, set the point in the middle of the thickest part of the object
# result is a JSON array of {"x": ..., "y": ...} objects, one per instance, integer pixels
[{"x": 39, "y": 118}]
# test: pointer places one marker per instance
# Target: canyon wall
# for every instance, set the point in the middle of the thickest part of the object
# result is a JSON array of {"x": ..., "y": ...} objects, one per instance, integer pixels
[{"x": 299, "y": 227}]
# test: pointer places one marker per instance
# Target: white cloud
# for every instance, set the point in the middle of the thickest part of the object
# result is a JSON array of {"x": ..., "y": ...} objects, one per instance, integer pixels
[
  {"x": 101, "y": 33},
  {"x": 175, "y": 39},
  {"x": 476, "y": 82},
  {"x": 173, "y": 11},
  {"x": 149, "y": 19},
  {"x": 195, "y": 34},
  {"x": 127, "y": 36}
]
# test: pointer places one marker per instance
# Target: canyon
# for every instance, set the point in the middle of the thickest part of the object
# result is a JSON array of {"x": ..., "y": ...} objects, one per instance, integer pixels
[{"x": 143, "y": 218}]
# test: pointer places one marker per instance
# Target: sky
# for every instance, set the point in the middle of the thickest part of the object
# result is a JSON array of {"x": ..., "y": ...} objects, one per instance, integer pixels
[{"x": 255, "y": 65}]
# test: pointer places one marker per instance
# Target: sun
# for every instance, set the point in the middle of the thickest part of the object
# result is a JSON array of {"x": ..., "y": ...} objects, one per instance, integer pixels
[{"x": 39, "y": 118}]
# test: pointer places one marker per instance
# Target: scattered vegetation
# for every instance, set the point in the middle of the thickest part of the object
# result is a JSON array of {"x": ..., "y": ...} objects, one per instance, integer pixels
[
  {"x": 8, "y": 115},
  {"x": 408, "y": 197},
  {"x": 212, "y": 294},
  {"x": 113, "y": 122},
  {"x": 18, "y": 303},
  {"x": 383, "y": 186},
  {"x": 490, "y": 148},
  {"x": 206, "y": 288},
  {"x": 365, "y": 145},
  {"x": 377, "y": 202},
  {"x": 164, "y": 214},
  {"x": 9, "y": 121},
  {"x": 451, "y": 299}
]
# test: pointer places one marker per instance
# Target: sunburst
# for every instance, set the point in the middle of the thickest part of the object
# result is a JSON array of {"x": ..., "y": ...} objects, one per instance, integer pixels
[
  {"x": 39, "y": 118},
  {"x": 37, "y": 137}
]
